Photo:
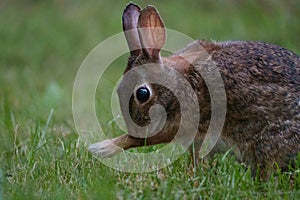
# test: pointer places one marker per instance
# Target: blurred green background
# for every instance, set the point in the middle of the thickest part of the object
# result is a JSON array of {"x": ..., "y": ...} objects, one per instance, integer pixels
[{"x": 42, "y": 44}]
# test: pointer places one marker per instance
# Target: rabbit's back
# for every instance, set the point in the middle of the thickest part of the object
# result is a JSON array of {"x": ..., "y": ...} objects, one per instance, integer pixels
[
  {"x": 262, "y": 83},
  {"x": 260, "y": 78},
  {"x": 262, "y": 62}
]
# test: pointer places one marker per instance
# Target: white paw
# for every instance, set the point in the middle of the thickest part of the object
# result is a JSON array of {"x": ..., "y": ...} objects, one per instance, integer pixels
[{"x": 104, "y": 149}]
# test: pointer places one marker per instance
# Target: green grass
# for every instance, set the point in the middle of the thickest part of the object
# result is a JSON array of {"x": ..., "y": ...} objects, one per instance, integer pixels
[{"x": 42, "y": 44}]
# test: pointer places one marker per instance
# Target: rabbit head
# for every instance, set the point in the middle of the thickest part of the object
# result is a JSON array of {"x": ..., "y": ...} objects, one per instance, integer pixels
[{"x": 145, "y": 34}]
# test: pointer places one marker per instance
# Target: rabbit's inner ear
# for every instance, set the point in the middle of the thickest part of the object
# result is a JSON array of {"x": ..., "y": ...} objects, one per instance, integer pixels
[
  {"x": 129, "y": 20},
  {"x": 152, "y": 32}
]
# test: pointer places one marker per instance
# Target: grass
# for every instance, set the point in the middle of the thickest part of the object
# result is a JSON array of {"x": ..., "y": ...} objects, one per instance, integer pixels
[{"x": 42, "y": 46}]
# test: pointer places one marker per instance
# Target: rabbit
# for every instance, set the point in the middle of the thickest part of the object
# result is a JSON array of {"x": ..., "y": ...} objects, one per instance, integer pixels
[{"x": 262, "y": 84}]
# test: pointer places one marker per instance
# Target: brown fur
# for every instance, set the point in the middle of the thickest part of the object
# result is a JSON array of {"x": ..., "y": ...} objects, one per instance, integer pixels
[{"x": 262, "y": 84}]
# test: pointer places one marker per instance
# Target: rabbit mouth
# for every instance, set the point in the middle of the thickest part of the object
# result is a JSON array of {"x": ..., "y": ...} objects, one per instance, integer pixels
[{"x": 148, "y": 125}]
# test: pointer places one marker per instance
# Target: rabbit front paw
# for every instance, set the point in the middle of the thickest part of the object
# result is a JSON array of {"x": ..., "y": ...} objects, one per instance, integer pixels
[{"x": 104, "y": 149}]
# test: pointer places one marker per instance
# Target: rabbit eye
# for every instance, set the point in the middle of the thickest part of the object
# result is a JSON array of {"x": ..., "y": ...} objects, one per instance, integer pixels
[{"x": 142, "y": 94}]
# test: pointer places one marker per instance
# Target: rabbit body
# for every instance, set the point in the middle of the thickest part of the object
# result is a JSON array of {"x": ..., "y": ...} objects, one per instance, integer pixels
[{"x": 262, "y": 84}]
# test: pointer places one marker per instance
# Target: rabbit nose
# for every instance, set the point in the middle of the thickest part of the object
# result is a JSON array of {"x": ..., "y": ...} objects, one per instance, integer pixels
[{"x": 138, "y": 117}]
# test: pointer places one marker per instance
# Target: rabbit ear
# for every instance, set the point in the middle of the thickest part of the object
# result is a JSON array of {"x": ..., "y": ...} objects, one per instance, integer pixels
[
  {"x": 129, "y": 20},
  {"x": 152, "y": 32}
]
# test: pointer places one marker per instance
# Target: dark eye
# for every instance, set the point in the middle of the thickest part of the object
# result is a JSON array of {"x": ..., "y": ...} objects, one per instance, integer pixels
[{"x": 142, "y": 94}]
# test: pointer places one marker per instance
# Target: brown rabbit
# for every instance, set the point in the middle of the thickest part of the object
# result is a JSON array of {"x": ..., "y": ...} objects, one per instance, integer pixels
[{"x": 262, "y": 84}]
